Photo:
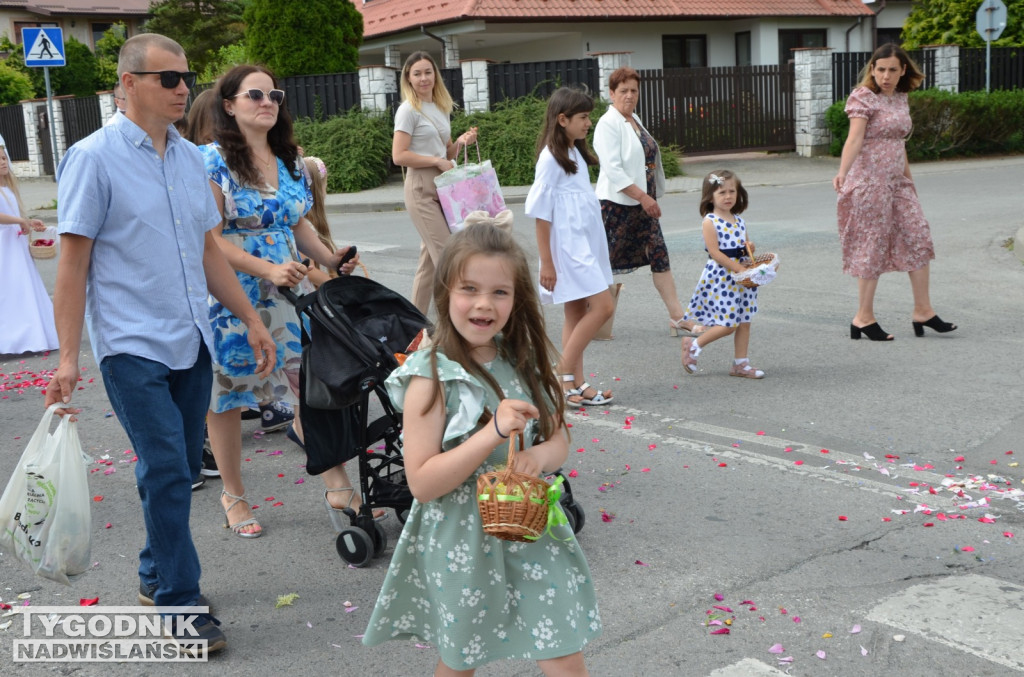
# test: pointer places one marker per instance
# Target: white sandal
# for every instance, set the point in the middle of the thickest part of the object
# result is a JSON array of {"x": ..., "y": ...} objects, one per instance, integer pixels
[
  {"x": 599, "y": 398},
  {"x": 572, "y": 392}
]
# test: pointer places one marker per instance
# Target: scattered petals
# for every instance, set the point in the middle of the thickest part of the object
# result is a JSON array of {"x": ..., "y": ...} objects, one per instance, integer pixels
[
  {"x": 796, "y": 619},
  {"x": 643, "y": 564},
  {"x": 573, "y": 473},
  {"x": 842, "y": 518},
  {"x": 84, "y": 601},
  {"x": 798, "y": 462},
  {"x": 826, "y": 635},
  {"x": 959, "y": 459},
  {"x": 1008, "y": 534},
  {"x": 820, "y": 654},
  {"x": 720, "y": 631},
  {"x": 863, "y": 651},
  {"x": 719, "y": 597},
  {"x": 97, "y": 498},
  {"x": 109, "y": 525},
  {"x": 776, "y": 648},
  {"x": 722, "y": 608},
  {"x": 855, "y": 630}
]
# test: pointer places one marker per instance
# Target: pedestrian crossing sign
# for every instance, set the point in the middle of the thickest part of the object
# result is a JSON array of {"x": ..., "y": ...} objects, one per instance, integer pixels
[{"x": 43, "y": 46}]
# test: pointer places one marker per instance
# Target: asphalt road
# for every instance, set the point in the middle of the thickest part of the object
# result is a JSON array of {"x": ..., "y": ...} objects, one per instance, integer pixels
[{"x": 788, "y": 493}]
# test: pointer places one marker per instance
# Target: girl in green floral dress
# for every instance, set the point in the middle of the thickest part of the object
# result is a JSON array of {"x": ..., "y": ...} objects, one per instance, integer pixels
[{"x": 478, "y": 598}]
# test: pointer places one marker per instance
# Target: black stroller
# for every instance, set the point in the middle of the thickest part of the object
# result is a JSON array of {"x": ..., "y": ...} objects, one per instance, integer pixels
[{"x": 356, "y": 326}]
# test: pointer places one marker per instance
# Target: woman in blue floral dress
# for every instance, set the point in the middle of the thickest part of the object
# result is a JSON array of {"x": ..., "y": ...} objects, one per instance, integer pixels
[{"x": 262, "y": 189}]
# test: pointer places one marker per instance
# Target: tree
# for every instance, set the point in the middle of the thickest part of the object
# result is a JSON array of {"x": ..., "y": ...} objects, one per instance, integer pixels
[
  {"x": 201, "y": 27},
  {"x": 301, "y": 38},
  {"x": 108, "y": 49},
  {"x": 952, "y": 22},
  {"x": 15, "y": 85},
  {"x": 76, "y": 77}
]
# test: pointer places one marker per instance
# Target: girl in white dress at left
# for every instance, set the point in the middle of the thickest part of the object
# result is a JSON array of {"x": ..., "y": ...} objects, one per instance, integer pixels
[{"x": 26, "y": 312}]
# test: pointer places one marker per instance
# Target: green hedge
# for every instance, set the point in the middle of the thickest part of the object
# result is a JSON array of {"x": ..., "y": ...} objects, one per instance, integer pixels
[
  {"x": 356, "y": 147},
  {"x": 951, "y": 125}
]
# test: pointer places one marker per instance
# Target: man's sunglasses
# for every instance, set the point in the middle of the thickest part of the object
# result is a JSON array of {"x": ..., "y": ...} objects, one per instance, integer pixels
[
  {"x": 275, "y": 95},
  {"x": 170, "y": 79}
]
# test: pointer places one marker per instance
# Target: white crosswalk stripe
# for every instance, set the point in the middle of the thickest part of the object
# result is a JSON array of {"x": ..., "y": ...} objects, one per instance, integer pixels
[
  {"x": 977, "y": 614},
  {"x": 748, "y": 667}
]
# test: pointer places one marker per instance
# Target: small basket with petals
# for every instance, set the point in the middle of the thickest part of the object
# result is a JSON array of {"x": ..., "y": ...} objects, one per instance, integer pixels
[
  {"x": 43, "y": 247},
  {"x": 513, "y": 505},
  {"x": 759, "y": 270}
]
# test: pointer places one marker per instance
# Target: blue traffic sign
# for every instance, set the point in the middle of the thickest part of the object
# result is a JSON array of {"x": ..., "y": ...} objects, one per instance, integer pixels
[{"x": 43, "y": 46}]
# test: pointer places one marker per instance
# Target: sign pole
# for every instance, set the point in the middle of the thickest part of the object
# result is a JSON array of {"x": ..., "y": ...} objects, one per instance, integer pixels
[{"x": 49, "y": 109}]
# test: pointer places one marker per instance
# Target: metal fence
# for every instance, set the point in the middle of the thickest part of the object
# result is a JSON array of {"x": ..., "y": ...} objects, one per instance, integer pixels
[
  {"x": 1007, "y": 68},
  {"x": 81, "y": 118},
  {"x": 846, "y": 68},
  {"x": 12, "y": 128},
  {"x": 720, "y": 109},
  {"x": 320, "y": 96},
  {"x": 540, "y": 78}
]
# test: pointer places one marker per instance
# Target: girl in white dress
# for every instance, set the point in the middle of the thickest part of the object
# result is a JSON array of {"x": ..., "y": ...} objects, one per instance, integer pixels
[
  {"x": 25, "y": 306},
  {"x": 574, "y": 265}
]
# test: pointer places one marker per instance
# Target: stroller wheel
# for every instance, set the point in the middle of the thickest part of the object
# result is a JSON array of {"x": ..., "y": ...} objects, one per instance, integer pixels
[
  {"x": 355, "y": 546},
  {"x": 577, "y": 518},
  {"x": 380, "y": 541}
]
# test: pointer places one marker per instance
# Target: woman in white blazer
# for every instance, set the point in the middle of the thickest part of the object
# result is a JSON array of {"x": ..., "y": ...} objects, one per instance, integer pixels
[{"x": 628, "y": 186}]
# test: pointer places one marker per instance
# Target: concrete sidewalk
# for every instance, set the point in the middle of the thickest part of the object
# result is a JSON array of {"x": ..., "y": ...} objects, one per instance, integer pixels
[{"x": 754, "y": 168}]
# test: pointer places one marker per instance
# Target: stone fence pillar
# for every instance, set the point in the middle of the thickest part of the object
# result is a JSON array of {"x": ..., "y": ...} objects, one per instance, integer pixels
[
  {"x": 476, "y": 88},
  {"x": 812, "y": 97},
  {"x": 375, "y": 83},
  {"x": 607, "y": 63},
  {"x": 34, "y": 167},
  {"x": 947, "y": 67}
]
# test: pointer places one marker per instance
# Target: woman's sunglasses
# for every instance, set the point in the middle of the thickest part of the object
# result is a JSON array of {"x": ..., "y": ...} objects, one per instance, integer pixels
[
  {"x": 170, "y": 79},
  {"x": 275, "y": 95}
]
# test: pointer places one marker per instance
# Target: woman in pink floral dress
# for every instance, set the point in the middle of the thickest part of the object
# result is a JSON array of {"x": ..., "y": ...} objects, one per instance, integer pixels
[{"x": 881, "y": 225}]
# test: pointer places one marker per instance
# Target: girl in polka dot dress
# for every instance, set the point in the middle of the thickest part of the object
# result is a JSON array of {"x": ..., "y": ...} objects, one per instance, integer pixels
[{"x": 721, "y": 304}]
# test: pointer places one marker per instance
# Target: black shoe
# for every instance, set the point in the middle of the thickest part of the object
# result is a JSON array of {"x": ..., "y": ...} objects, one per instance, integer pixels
[
  {"x": 935, "y": 324},
  {"x": 250, "y": 414},
  {"x": 146, "y": 593},
  {"x": 209, "y": 468},
  {"x": 199, "y": 481},
  {"x": 872, "y": 331},
  {"x": 276, "y": 416},
  {"x": 203, "y": 628}
]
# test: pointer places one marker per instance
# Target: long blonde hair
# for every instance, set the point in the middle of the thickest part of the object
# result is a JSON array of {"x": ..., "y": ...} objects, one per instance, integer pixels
[
  {"x": 442, "y": 99},
  {"x": 317, "y": 214}
]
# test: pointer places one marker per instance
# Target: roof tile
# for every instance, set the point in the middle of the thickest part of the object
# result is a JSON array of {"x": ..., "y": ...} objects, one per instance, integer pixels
[{"x": 381, "y": 17}]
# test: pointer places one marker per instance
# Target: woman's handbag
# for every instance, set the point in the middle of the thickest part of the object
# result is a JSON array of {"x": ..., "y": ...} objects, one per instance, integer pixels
[
  {"x": 468, "y": 188},
  {"x": 45, "y": 514}
]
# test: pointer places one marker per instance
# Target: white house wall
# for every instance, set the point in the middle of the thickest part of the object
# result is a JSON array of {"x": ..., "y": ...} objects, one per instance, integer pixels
[{"x": 547, "y": 42}]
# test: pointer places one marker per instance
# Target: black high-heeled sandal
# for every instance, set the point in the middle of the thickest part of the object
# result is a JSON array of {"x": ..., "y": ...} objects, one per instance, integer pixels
[
  {"x": 935, "y": 324},
  {"x": 872, "y": 331}
]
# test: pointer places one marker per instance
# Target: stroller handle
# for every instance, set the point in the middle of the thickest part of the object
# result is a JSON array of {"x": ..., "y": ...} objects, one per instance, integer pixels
[{"x": 287, "y": 292}]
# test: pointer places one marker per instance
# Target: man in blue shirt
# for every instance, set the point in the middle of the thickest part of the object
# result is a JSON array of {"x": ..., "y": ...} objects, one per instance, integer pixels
[{"x": 137, "y": 261}]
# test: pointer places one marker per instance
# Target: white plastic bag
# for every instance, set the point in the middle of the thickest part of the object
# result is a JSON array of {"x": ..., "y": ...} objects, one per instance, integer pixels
[{"x": 45, "y": 511}]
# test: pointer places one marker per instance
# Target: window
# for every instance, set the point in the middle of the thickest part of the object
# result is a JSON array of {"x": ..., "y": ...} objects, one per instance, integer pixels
[
  {"x": 18, "y": 25},
  {"x": 743, "y": 50},
  {"x": 887, "y": 35},
  {"x": 803, "y": 37},
  {"x": 97, "y": 31},
  {"x": 684, "y": 51}
]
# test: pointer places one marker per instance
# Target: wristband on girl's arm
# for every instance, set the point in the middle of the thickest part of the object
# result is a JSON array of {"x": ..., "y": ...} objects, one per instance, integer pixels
[{"x": 497, "y": 429}]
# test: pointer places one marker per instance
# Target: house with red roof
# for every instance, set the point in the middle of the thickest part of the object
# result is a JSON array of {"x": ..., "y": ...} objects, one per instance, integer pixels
[
  {"x": 657, "y": 33},
  {"x": 85, "y": 20}
]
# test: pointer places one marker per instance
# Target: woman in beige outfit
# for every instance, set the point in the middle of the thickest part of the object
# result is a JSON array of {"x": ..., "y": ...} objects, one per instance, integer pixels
[{"x": 423, "y": 144}]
